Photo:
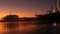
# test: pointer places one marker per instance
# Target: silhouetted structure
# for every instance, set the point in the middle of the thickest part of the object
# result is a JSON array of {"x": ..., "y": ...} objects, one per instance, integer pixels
[
  {"x": 11, "y": 18},
  {"x": 51, "y": 18}
]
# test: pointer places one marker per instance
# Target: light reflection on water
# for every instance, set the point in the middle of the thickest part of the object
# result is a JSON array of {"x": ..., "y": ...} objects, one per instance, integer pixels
[
  {"x": 22, "y": 27},
  {"x": 2, "y": 28}
]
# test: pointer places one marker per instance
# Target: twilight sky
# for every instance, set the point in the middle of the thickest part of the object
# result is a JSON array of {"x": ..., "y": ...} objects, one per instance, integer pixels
[{"x": 24, "y": 8}]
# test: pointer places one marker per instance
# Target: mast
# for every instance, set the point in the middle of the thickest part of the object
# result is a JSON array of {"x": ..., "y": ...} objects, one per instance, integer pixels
[
  {"x": 10, "y": 11},
  {"x": 56, "y": 6}
]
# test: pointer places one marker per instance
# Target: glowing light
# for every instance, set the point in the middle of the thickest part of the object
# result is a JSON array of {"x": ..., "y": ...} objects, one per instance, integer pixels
[{"x": 54, "y": 24}]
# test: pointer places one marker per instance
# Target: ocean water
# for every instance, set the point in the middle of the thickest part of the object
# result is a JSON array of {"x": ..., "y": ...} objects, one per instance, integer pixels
[{"x": 24, "y": 28}]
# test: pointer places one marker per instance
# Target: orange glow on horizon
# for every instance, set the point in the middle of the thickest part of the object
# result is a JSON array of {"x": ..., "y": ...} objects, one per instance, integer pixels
[{"x": 21, "y": 12}]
